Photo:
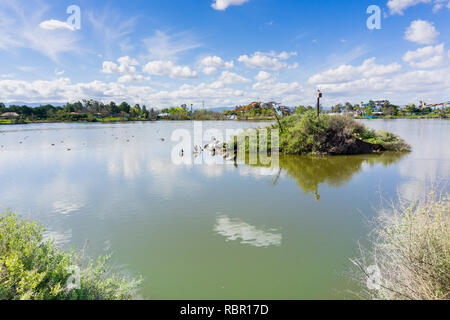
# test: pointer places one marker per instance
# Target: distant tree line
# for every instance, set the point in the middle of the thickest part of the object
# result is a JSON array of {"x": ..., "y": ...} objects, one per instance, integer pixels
[
  {"x": 92, "y": 111},
  {"x": 88, "y": 110},
  {"x": 387, "y": 109}
]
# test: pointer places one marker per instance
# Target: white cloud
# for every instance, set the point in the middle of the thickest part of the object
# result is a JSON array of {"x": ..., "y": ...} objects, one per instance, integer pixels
[
  {"x": 209, "y": 70},
  {"x": 230, "y": 77},
  {"x": 55, "y": 24},
  {"x": 347, "y": 73},
  {"x": 398, "y": 6},
  {"x": 263, "y": 76},
  {"x": 279, "y": 90},
  {"x": 427, "y": 57},
  {"x": 401, "y": 87},
  {"x": 421, "y": 32},
  {"x": 439, "y": 4},
  {"x": 125, "y": 65},
  {"x": 270, "y": 61},
  {"x": 168, "y": 68},
  {"x": 19, "y": 28},
  {"x": 282, "y": 56},
  {"x": 224, "y": 4},
  {"x": 213, "y": 63},
  {"x": 132, "y": 78},
  {"x": 217, "y": 62}
]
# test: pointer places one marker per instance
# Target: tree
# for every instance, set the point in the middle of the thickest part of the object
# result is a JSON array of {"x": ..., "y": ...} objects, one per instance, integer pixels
[
  {"x": 113, "y": 108},
  {"x": 69, "y": 108},
  {"x": 78, "y": 106},
  {"x": 124, "y": 107},
  {"x": 300, "y": 109},
  {"x": 144, "y": 112},
  {"x": 337, "y": 108},
  {"x": 349, "y": 107},
  {"x": 411, "y": 108},
  {"x": 390, "y": 110},
  {"x": 153, "y": 114}
]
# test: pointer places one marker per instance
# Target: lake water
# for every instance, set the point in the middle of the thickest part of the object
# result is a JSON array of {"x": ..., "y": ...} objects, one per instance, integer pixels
[{"x": 211, "y": 231}]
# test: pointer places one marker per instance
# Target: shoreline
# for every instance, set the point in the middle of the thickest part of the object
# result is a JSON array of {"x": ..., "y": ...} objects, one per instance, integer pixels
[{"x": 222, "y": 120}]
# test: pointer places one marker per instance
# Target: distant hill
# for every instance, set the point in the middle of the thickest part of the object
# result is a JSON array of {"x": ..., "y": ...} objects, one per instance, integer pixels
[{"x": 35, "y": 104}]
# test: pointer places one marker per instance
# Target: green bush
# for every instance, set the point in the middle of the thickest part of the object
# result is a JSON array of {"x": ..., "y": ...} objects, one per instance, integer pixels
[
  {"x": 32, "y": 268},
  {"x": 303, "y": 134}
]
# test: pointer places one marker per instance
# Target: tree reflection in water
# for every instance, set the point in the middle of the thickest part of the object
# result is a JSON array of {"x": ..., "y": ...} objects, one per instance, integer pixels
[{"x": 310, "y": 172}]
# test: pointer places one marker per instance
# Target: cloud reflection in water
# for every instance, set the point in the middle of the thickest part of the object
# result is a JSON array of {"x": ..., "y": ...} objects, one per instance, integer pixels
[{"x": 235, "y": 229}]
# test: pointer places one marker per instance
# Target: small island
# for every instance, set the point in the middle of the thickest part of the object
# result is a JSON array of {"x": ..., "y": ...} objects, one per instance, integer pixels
[{"x": 309, "y": 134}]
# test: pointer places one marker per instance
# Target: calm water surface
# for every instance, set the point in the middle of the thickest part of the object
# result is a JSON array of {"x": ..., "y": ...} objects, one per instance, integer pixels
[{"x": 210, "y": 231}]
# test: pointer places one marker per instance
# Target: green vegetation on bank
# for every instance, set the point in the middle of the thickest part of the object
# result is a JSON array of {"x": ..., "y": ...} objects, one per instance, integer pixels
[
  {"x": 96, "y": 111},
  {"x": 32, "y": 268},
  {"x": 409, "y": 255},
  {"x": 305, "y": 134},
  {"x": 85, "y": 111},
  {"x": 183, "y": 113}
]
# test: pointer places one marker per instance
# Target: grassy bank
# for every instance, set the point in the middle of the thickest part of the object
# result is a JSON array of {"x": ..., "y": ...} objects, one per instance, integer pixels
[
  {"x": 305, "y": 134},
  {"x": 32, "y": 268},
  {"x": 409, "y": 256}
]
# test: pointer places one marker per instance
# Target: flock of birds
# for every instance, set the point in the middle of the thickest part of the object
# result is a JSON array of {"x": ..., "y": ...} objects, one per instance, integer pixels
[{"x": 215, "y": 147}]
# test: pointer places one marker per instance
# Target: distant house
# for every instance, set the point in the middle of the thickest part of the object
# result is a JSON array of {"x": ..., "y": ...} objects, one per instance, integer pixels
[{"x": 9, "y": 115}]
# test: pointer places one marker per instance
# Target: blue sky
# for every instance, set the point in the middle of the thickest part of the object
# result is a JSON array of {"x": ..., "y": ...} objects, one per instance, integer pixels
[{"x": 224, "y": 52}]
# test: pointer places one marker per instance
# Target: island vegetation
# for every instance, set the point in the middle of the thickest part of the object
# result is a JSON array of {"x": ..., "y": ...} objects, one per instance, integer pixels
[
  {"x": 32, "y": 268},
  {"x": 408, "y": 256},
  {"x": 308, "y": 134}
]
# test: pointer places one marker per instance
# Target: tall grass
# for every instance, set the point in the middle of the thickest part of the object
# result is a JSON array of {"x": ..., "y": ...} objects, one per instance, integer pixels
[
  {"x": 409, "y": 256},
  {"x": 32, "y": 268}
]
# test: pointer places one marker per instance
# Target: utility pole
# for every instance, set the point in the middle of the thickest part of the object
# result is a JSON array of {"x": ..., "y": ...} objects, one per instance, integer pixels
[{"x": 319, "y": 95}]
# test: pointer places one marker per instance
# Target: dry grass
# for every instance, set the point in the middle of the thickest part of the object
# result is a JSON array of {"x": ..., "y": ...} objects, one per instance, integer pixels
[{"x": 409, "y": 258}]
